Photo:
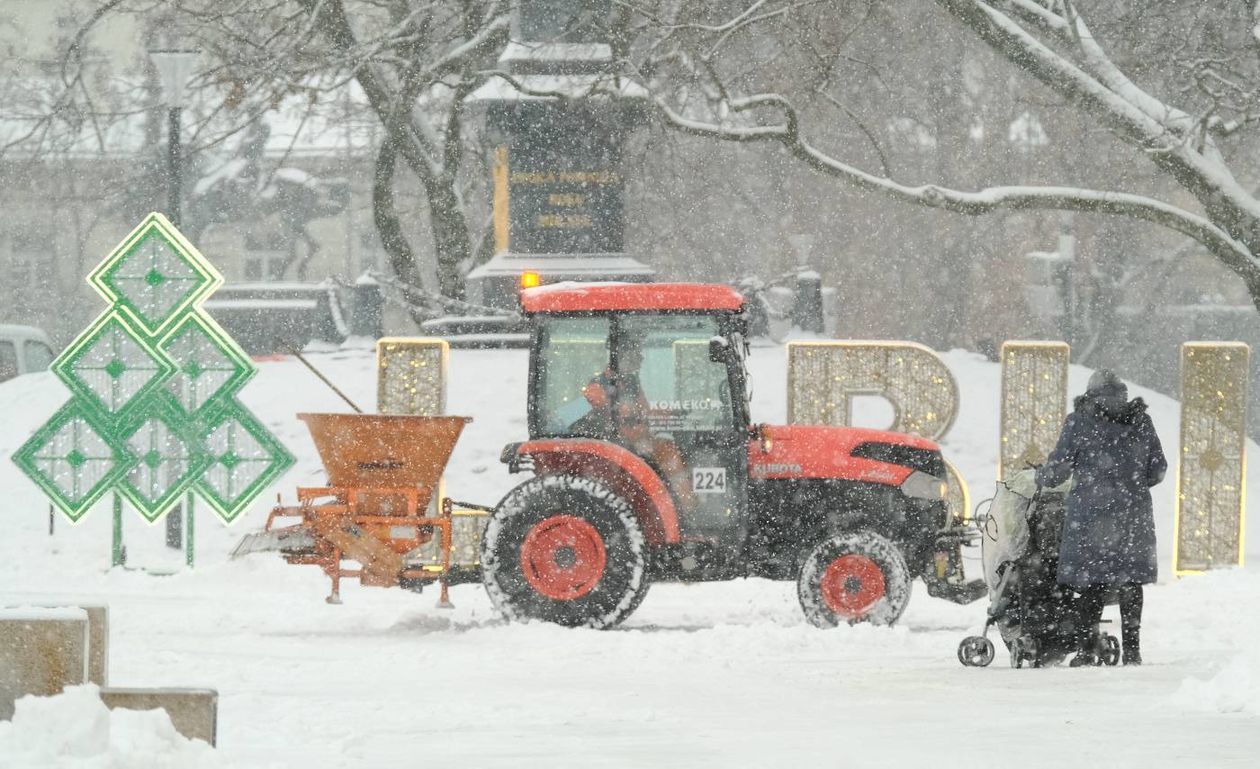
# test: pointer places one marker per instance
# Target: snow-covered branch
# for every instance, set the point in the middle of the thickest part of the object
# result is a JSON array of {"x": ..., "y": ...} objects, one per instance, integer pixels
[
  {"x": 1063, "y": 22},
  {"x": 1131, "y": 114},
  {"x": 1014, "y": 197}
]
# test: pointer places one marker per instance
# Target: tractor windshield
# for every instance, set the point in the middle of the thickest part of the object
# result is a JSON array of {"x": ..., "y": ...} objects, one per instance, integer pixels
[{"x": 663, "y": 379}]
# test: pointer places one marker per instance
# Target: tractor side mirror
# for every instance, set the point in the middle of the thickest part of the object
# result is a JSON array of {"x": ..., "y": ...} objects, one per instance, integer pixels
[{"x": 719, "y": 349}]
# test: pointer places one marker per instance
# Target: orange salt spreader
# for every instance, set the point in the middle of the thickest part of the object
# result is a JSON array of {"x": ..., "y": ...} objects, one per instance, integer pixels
[{"x": 383, "y": 471}]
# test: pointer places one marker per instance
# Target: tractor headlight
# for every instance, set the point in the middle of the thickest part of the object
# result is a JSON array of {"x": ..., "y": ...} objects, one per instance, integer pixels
[{"x": 920, "y": 485}]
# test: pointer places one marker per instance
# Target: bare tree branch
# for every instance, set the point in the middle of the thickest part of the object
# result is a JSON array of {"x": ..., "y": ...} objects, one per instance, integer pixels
[{"x": 1237, "y": 255}]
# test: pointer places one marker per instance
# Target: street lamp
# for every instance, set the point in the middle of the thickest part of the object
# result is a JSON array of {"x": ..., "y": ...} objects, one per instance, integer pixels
[
  {"x": 807, "y": 313},
  {"x": 174, "y": 66}
]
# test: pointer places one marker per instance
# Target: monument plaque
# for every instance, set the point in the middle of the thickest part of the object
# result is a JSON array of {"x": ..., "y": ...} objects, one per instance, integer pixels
[{"x": 564, "y": 183}]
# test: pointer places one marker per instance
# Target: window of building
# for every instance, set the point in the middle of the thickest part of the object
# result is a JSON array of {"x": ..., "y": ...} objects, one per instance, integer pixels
[
  {"x": 264, "y": 266},
  {"x": 37, "y": 355}
]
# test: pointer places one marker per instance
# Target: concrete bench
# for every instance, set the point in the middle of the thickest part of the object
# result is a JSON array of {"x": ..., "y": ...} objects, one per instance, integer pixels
[
  {"x": 194, "y": 712},
  {"x": 42, "y": 651},
  {"x": 98, "y": 639},
  {"x": 98, "y": 643}
]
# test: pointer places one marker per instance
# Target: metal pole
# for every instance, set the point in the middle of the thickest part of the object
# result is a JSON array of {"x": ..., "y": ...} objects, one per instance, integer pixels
[
  {"x": 117, "y": 556},
  {"x": 189, "y": 556},
  {"x": 51, "y": 521},
  {"x": 326, "y": 381},
  {"x": 174, "y": 520},
  {"x": 1067, "y": 284},
  {"x": 173, "y": 163}
]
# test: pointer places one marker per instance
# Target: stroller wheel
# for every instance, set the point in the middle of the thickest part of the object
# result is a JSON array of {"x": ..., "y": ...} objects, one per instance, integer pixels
[
  {"x": 975, "y": 651},
  {"x": 1025, "y": 651},
  {"x": 1108, "y": 649}
]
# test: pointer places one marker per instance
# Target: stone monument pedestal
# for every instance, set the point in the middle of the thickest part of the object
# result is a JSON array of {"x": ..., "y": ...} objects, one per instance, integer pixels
[{"x": 556, "y": 130}]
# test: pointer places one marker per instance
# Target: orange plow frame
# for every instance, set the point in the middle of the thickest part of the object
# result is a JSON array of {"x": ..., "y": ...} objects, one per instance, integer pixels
[{"x": 342, "y": 531}]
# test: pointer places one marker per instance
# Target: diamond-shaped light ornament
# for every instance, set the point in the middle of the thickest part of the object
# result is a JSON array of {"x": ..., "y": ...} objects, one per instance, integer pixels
[
  {"x": 155, "y": 275},
  {"x": 153, "y": 381},
  {"x": 209, "y": 366},
  {"x": 166, "y": 466},
  {"x": 71, "y": 461},
  {"x": 109, "y": 367},
  {"x": 244, "y": 459}
]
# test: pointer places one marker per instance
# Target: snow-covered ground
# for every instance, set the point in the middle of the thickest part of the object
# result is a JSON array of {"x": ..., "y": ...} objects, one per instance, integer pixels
[{"x": 725, "y": 674}]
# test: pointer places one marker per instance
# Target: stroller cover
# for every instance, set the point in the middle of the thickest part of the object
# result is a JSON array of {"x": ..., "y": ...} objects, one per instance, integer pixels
[{"x": 1006, "y": 530}]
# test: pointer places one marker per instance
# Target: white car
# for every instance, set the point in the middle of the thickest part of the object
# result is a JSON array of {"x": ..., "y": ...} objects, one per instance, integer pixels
[{"x": 23, "y": 350}]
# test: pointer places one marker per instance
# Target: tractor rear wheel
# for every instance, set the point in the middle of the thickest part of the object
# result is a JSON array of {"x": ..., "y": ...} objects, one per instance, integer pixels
[
  {"x": 855, "y": 577},
  {"x": 565, "y": 549}
]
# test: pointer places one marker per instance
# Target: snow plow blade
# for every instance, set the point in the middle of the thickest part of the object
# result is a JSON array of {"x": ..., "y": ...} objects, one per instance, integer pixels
[
  {"x": 956, "y": 592},
  {"x": 290, "y": 539}
]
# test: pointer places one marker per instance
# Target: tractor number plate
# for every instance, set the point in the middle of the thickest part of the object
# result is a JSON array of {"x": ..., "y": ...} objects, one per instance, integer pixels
[{"x": 708, "y": 480}]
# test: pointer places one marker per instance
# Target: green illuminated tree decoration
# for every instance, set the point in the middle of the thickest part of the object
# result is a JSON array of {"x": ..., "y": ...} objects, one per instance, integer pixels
[
  {"x": 153, "y": 380},
  {"x": 72, "y": 461}
]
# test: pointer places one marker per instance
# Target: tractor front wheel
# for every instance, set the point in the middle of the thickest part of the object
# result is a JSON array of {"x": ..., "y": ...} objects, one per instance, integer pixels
[
  {"x": 855, "y": 577},
  {"x": 565, "y": 549}
]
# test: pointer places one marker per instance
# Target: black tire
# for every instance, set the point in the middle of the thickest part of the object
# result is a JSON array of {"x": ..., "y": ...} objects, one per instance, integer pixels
[
  {"x": 826, "y": 603},
  {"x": 975, "y": 651},
  {"x": 600, "y": 597}
]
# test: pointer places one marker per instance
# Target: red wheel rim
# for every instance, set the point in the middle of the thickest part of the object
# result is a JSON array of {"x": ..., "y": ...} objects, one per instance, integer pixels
[
  {"x": 851, "y": 585},
  {"x": 563, "y": 557}
]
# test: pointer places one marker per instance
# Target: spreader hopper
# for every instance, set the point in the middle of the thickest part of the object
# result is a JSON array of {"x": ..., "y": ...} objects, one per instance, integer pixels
[
  {"x": 383, "y": 471},
  {"x": 392, "y": 461}
]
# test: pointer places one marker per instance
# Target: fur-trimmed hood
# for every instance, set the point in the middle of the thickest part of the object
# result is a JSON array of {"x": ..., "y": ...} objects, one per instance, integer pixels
[{"x": 1110, "y": 406}]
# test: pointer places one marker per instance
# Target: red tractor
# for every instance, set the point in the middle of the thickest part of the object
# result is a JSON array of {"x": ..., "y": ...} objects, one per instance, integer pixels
[{"x": 647, "y": 467}]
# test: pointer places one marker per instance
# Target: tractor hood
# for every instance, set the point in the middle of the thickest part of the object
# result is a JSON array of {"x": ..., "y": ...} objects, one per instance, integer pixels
[{"x": 808, "y": 451}]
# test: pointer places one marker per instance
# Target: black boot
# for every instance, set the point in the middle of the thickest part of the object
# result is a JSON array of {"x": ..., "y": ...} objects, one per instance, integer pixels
[
  {"x": 1131, "y": 623},
  {"x": 1084, "y": 658},
  {"x": 1130, "y": 646},
  {"x": 1089, "y": 609}
]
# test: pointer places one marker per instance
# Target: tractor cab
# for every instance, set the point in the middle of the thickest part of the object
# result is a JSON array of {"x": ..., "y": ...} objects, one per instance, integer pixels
[{"x": 656, "y": 370}]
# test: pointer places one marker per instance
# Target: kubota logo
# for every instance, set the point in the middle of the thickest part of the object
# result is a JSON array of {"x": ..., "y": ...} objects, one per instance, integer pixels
[{"x": 774, "y": 468}]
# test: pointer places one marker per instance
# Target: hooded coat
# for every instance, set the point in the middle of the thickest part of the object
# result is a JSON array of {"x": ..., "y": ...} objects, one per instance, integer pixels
[{"x": 1109, "y": 446}]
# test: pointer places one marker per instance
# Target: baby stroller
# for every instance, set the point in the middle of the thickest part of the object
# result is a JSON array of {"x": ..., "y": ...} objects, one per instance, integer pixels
[{"x": 1036, "y": 617}]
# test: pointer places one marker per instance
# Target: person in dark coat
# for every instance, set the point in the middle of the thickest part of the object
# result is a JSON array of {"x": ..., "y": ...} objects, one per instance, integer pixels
[{"x": 1109, "y": 447}]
